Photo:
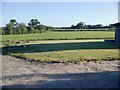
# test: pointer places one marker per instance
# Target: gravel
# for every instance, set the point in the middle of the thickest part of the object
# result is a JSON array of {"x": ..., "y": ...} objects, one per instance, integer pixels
[{"x": 18, "y": 73}]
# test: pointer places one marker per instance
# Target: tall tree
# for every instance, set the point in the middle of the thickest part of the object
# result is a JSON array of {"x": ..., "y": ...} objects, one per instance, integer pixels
[
  {"x": 42, "y": 28},
  {"x": 34, "y": 23},
  {"x": 22, "y": 29},
  {"x": 30, "y": 29},
  {"x": 1, "y": 31},
  {"x": 14, "y": 22},
  {"x": 72, "y": 27},
  {"x": 80, "y": 25},
  {"x": 9, "y": 29}
]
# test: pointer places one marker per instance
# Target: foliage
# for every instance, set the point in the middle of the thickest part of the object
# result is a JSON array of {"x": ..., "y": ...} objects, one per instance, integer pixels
[
  {"x": 34, "y": 23},
  {"x": 22, "y": 29},
  {"x": 30, "y": 29},
  {"x": 49, "y": 28},
  {"x": 34, "y": 26},
  {"x": 82, "y": 25},
  {"x": 9, "y": 29},
  {"x": 69, "y": 30},
  {"x": 1, "y": 31},
  {"x": 42, "y": 28}
]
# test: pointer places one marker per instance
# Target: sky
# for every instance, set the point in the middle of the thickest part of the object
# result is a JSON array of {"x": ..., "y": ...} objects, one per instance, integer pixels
[
  {"x": 59, "y": 0},
  {"x": 119, "y": 11},
  {"x": 61, "y": 14}
]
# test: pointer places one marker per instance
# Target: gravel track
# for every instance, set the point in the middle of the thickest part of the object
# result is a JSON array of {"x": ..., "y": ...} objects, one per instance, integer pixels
[{"x": 19, "y": 73}]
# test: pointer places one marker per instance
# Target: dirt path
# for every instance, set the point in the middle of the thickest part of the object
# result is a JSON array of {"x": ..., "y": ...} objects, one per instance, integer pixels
[
  {"x": 21, "y": 73},
  {"x": 65, "y": 41}
]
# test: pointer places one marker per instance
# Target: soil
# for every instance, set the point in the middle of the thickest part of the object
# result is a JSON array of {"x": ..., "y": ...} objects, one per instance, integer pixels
[{"x": 18, "y": 73}]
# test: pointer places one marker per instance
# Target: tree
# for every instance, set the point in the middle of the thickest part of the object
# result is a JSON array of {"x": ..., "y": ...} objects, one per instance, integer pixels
[
  {"x": 30, "y": 29},
  {"x": 14, "y": 22},
  {"x": 34, "y": 23},
  {"x": 1, "y": 31},
  {"x": 42, "y": 28},
  {"x": 80, "y": 25},
  {"x": 98, "y": 26},
  {"x": 86, "y": 26},
  {"x": 22, "y": 29},
  {"x": 111, "y": 26},
  {"x": 72, "y": 27},
  {"x": 49, "y": 28},
  {"x": 9, "y": 29}
]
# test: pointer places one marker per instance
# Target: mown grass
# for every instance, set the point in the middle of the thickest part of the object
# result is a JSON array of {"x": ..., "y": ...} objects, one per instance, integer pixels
[
  {"x": 30, "y": 46},
  {"x": 71, "y": 55},
  {"x": 65, "y": 52},
  {"x": 60, "y": 36},
  {"x": 102, "y": 29}
]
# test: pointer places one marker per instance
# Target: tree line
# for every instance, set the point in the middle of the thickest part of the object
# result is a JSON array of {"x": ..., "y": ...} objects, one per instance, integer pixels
[
  {"x": 34, "y": 26},
  {"x": 82, "y": 25}
]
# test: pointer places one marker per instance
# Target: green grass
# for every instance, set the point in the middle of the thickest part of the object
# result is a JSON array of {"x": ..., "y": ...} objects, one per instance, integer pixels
[
  {"x": 103, "y": 29},
  {"x": 76, "y": 51},
  {"x": 71, "y": 55},
  {"x": 60, "y": 36},
  {"x": 72, "y": 50}
]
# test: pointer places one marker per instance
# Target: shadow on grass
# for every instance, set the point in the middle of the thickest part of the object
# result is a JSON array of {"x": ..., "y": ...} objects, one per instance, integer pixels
[
  {"x": 105, "y": 79},
  {"x": 32, "y": 48}
]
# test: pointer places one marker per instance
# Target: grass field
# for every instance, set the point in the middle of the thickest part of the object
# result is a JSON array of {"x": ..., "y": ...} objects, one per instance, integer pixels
[
  {"x": 92, "y": 47},
  {"x": 102, "y": 29},
  {"x": 70, "y": 51},
  {"x": 61, "y": 36}
]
